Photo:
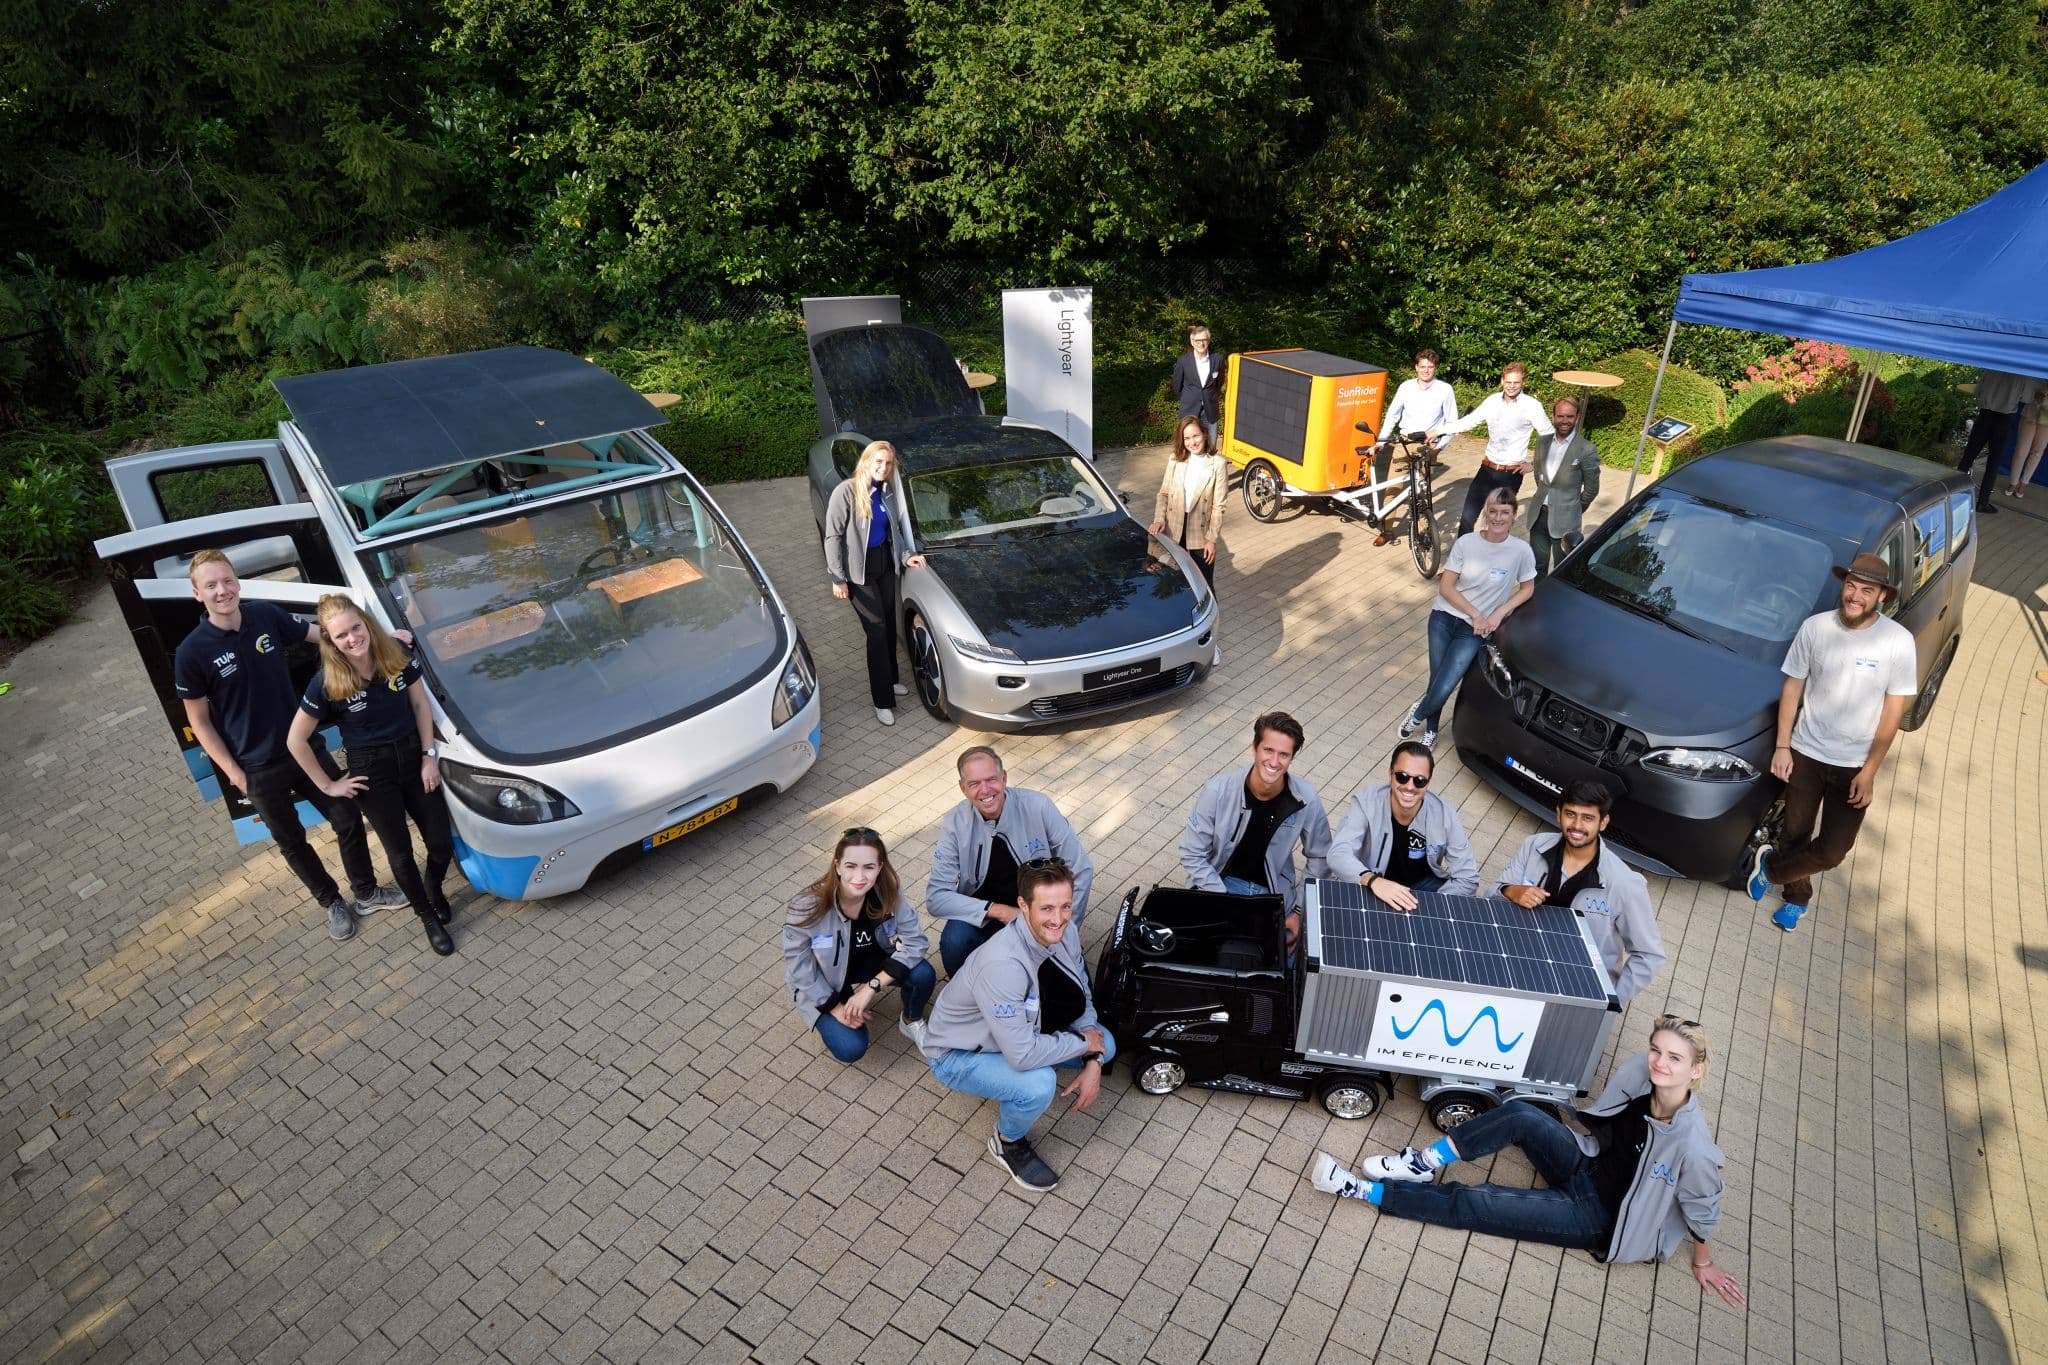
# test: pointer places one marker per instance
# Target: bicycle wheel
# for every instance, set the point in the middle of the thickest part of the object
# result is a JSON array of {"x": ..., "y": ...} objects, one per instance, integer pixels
[
  {"x": 1262, "y": 490},
  {"x": 1425, "y": 547}
]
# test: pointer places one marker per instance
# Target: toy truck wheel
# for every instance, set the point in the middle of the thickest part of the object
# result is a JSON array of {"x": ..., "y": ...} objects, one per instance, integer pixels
[
  {"x": 1351, "y": 1097},
  {"x": 1161, "y": 1076},
  {"x": 1453, "y": 1107},
  {"x": 1262, "y": 490}
]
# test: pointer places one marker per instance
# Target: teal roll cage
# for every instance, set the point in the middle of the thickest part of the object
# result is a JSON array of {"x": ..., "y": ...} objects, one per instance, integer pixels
[{"x": 407, "y": 517}]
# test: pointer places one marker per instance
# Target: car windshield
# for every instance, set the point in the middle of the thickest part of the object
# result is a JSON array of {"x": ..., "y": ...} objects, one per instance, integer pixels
[
  {"x": 972, "y": 500},
  {"x": 585, "y": 622},
  {"x": 1737, "y": 579}
]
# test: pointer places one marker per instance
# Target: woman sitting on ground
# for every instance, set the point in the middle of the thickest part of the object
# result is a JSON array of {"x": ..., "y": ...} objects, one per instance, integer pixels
[
  {"x": 850, "y": 937},
  {"x": 1647, "y": 1177}
]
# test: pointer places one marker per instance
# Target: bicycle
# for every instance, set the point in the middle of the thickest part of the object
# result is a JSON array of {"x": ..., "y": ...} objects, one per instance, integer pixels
[{"x": 1265, "y": 492}]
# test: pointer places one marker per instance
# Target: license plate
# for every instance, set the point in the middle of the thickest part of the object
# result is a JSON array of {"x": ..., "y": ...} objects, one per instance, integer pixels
[
  {"x": 697, "y": 821},
  {"x": 1538, "y": 778},
  {"x": 1110, "y": 677}
]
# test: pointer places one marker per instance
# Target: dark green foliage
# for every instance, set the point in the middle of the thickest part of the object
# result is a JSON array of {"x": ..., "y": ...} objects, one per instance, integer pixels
[
  {"x": 448, "y": 294},
  {"x": 54, "y": 499},
  {"x": 31, "y": 606},
  {"x": 746, "y": 409}
]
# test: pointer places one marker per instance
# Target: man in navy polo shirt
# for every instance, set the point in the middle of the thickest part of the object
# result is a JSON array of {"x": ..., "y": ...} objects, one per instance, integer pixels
[{"x": 239, "y": 701}]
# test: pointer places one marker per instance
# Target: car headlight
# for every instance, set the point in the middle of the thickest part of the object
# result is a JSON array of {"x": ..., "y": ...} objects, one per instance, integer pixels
[
  {"x": 1700, "y": 765},
  {"x": 507, "y": 799},
  {"x": 799, "y": 684},
  {"x": 987, "y": 653}
]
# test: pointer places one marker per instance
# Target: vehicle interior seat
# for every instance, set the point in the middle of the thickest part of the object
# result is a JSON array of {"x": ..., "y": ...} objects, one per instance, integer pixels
[{"x": 1210, "y": 930}]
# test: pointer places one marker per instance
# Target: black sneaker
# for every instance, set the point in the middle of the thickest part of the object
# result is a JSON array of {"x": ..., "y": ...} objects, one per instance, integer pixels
[
  {"x": 1987, "y": 509},
  {"x": 1023, "y": 1164}
]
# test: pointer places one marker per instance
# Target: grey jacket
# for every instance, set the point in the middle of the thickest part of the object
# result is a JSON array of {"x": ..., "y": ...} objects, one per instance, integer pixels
[
  {"x": 1216, "y": 826},
  {"x": 1035, "y": 829},
  {"x": 847, "y": 519},
  {"x": 814, "y": 958},
  {"x": 1618, "y": 912},
  {"x": 1576, "y": 485},
  {"x": 991, "y": 1004},
  {"x": 1678, "y": 1185},
  {"x": 1364, "y": 840}
]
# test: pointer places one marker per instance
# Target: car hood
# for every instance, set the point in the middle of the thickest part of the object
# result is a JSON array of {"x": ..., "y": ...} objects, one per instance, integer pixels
[
  {"x": 1083, "y": 589},
  {"x": 1646, "y": 676}
]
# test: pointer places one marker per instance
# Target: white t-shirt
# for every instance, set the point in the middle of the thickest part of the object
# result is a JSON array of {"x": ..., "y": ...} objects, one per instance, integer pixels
[
  {"x": 1488, "y": 573},
  {"x": 1848, "y": 675}
]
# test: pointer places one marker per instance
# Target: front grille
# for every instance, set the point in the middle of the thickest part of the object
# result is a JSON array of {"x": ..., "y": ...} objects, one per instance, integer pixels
[
  {"x": 1577, "y": 729},
  {"x": 1075, "y": 703}
]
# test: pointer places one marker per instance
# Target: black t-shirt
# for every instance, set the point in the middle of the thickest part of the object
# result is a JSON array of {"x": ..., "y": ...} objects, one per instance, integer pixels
[
  {"x": 243, "y": 676},
  {"x": 1000, "y": 885},
  {"x": 1248, "y": 862},
  {"x": 1588, "y": 876},
  {"x": 1621, "y": 1152},
  {"x": 1407, "y": 854},
  {"x": 379, "y": 714},
  {"x": 865, "y": 956},
  {"x": 1060, "y": 998}
]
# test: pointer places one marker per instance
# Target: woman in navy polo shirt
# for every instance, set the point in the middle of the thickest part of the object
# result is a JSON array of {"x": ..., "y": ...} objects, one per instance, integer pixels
[{"x": 369, "y": 687}]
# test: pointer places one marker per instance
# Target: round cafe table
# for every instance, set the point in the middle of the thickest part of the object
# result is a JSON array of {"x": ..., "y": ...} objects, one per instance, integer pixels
[
  {"x": 978, "y": 381},
  {"x": 1585, "y": 381}
]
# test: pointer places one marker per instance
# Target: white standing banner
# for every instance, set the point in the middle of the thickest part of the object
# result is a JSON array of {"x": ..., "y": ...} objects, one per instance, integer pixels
[{"x": 1049, "y": 361}]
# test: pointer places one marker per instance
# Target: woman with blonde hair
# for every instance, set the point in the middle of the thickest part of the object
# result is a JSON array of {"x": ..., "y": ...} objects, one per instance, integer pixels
[
  {"x": 861, "y": 556},
  {"x": 1189, "y": 507},
  {"x": 848, "y": 939},
  {"x": 1645, "y": 1177},
  {"x": 370, "y": 687}
]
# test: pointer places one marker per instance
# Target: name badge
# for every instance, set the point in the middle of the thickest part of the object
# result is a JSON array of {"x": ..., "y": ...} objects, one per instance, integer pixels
[
  {"x": 823, "y": 943},
  {"x": 1031, "y": 1006}
]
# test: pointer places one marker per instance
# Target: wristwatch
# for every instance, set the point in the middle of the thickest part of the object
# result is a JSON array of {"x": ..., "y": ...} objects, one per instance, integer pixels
[
  {"x": 878, "y": 984},
  {"x": 1091, "y": 1056},
  {"x": 432, "y": 750}
]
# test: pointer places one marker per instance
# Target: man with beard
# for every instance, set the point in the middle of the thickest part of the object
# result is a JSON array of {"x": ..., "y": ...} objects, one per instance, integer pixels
[
  {"x": 1848, "y": 677},
  {"x": 1575, "y": 868}
]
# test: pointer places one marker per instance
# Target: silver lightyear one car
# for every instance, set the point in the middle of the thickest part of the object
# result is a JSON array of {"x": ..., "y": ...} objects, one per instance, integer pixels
[
  {"x": 1042, "y": 597},
  {"x": 609, "y": 665}
]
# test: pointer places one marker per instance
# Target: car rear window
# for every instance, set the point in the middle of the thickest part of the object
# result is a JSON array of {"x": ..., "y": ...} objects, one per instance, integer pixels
[{"x": 1739, "y": 579}]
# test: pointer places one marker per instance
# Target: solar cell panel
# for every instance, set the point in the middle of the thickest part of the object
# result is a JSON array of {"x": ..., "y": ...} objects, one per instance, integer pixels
[{"x": 1460, "y": 939}]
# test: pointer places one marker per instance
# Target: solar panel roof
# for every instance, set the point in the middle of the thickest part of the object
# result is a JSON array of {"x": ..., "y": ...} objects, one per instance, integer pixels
[
  {"x": 406, "y": 416},
  {"x": 1469, "y": 940}
]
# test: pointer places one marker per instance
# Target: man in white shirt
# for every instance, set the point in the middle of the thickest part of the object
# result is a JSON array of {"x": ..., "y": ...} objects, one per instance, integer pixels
[
  {"x": 1198, "y": 382},
  {"x": 1848, "y": 677},
  {"x": 1421, "y": 404},
  {"x": 1510, "y": 417}
]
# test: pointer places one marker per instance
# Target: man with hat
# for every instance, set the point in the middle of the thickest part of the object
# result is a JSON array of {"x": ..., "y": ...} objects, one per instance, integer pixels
[{"x": 1848, "y": 677}]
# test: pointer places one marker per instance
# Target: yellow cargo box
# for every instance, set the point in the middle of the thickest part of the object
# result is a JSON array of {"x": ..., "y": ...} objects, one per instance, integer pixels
[{"x": 1299, "y": 410}]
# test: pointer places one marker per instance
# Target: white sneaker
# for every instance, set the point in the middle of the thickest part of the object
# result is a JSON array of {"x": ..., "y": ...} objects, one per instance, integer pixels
[
  {"x": 1411, "y": 724},
  {"x": 1326, "y": 1175},
  {"x": 1216, "y": 658},
  {"x": 1407, "y": 1166},
  {"x": 901, "y": 690},
  {"x": 913, "y": 1029},
  {"x": 1429, "y": 737},
  {"x": 885, "y": 715}
]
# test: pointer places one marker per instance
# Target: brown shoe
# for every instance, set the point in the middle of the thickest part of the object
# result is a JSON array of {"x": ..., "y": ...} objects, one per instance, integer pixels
[{"x": 1380, "y": 539}]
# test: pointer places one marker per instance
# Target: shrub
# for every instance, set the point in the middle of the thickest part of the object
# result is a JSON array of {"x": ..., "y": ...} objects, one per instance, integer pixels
[
  {"x": 45, "y": 516},
  {"x": 30, "y": 607},
  {"x": 1613, "y": 418},
  {"x": 448, "y": 294}
]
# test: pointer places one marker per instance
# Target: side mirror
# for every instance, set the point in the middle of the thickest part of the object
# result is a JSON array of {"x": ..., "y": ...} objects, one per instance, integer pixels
[{"x": 1361, "y": 426}]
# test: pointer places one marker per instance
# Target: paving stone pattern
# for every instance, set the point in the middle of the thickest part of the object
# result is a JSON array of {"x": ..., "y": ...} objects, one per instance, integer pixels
[{"x": 599, "y": 1131}]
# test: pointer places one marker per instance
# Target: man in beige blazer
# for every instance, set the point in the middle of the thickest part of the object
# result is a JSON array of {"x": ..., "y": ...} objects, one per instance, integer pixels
[{"x": 1567, "y": 481}]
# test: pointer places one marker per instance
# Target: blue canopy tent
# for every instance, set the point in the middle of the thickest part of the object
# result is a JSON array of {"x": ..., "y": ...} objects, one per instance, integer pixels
[{"x": 1971, "y": 289}]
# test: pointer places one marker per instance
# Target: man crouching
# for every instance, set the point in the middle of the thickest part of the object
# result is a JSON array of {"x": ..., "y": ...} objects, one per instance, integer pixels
[{"x": 1017, "y": 1009}]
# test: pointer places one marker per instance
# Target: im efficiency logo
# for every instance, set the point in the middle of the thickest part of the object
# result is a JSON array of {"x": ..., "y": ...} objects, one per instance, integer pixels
[{"x": 1487, "y": 1014}]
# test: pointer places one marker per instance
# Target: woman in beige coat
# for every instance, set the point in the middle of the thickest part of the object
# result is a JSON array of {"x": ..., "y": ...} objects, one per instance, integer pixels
[{"x": 1189, "y": 507}]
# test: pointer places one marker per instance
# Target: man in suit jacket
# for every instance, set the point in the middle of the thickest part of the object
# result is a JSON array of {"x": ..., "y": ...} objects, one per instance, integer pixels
[
  {"x": 1567, "y": 481},
  {"x": 1198, "y": 381}
]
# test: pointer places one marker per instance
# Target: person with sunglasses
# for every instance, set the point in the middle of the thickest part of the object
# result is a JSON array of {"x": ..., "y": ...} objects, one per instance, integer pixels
[
  {"x": 1577, "y": 869},
  {"x": 849, "y": 938},
  {"x": 1398, "y": 838},
  {"x": 1645, "y": 1177},
  {"x": 972, "y": 892}
]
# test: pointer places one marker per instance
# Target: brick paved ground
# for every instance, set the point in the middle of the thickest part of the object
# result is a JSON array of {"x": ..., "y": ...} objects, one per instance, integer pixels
[{"x": 599, "y": 1130}]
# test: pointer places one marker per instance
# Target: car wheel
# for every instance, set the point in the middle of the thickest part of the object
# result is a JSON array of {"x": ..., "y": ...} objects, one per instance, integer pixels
[
  {"x": 1453, "y": 1107},
  {"x": 1923, "y": 704},
  {"x": 1161, "y": 1076},
  {"x": 1425, "y": 545},
  {"x": 1262, "y": 490},
  {"x": 926, "y": 668},
  {"x": 1351, "y": 1097},
  {"x": 1766, "y": 831}
]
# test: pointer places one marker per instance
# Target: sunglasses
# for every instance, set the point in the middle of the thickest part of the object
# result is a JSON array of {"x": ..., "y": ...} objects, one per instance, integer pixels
[
  {"x": 1411, "y": 780},
  {"x": 1036, "y": 863},
  {"x": 859, "y": 832}
]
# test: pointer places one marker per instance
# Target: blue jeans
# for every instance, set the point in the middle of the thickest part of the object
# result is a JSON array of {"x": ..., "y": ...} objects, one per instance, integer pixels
[
  {"x": 1023, "y": 1095},
  {"x": 1238, "y": 886},
  {"x": 1568, "y": 1214},
  {"x": 958, "y": 939},
  {"x": 851, "y": 1044},
  {"x": 1452, "y": 648}
]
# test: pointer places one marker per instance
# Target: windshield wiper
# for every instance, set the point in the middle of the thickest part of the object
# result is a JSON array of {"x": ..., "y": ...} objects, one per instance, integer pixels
[{"x": 1638, "y": 608}]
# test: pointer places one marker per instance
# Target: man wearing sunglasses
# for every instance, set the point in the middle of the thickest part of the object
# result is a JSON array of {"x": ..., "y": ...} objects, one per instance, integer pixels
[
  {"x": 972, "y": 892},
  {"x": 1398, "y": 838},
  {"x": 1575, "y": 868}
]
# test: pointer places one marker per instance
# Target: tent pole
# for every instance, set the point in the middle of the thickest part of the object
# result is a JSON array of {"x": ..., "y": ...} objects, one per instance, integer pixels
[
  {"x": 1650, "y": 413},
  {"x": 1864, "y": 388}
]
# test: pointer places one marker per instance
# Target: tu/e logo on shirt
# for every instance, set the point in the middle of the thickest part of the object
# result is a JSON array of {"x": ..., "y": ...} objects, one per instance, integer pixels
[{"x": 224, "y": 664}]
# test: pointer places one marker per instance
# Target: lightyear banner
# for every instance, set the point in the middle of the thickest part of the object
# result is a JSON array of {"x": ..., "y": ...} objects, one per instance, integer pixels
[{"x": 1049, "y": 361}]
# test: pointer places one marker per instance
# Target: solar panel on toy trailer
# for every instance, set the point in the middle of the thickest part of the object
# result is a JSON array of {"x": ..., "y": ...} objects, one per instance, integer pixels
[{"x": 1462, "y": 986}]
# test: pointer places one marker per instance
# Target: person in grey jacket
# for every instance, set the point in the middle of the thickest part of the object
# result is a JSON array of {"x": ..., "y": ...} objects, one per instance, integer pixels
[
  {"x": 1576, "y": 868},
  {"x": 862, "y": 551},
  {"x": 1241, "y": 834},
  {"x": 848, "y": 939},
  {"x": 982, "y": 842},
  {"x": 1567, "y": 481},
  {"x": 1018, "y": 1010},
  {"x": 1398, "y": 838},
  {"x": 1645, "y": 1177}
]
